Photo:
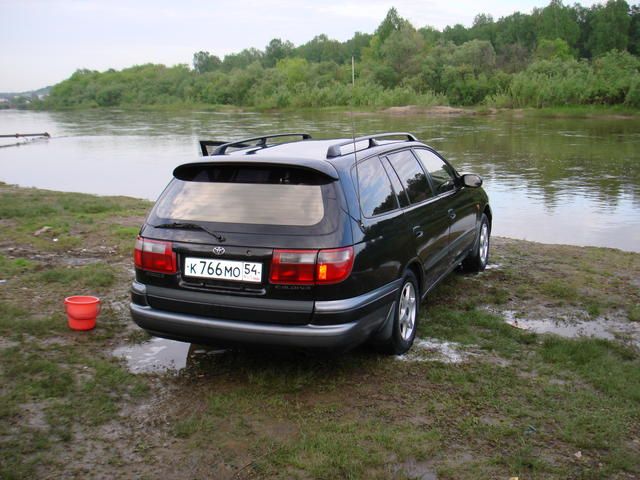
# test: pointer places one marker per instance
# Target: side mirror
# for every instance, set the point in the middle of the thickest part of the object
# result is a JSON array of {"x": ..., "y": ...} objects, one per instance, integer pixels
[{"x": 471, "y": 180}]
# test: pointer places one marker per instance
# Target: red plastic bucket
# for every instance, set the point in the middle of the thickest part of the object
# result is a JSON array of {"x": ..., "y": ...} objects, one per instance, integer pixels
[{"x": 82, "y": 311}]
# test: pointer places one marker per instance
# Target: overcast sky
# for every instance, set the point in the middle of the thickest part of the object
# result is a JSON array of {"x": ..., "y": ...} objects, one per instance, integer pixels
[{"x": 44, "y": 41}]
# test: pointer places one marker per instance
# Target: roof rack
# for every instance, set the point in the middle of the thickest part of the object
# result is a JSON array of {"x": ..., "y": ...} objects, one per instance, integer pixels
[
  {"x": 336, "y": 149},
  {"x": 260, "y": 142}
]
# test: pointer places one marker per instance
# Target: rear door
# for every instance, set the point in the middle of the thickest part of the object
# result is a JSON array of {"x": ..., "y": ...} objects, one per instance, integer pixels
[
  {"x": 385, "y": 246},
  {"x": 225, "y": 221},
  {"x": 426, "y": 215}
]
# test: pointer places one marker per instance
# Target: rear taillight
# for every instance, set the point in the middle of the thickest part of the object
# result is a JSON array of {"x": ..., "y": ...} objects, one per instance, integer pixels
[
  {"x": 334, "y": 265},
  {"x": 309, "y": 267},
  {"x": 293, "y": 266},
  {"x": 154, "y": 256}
]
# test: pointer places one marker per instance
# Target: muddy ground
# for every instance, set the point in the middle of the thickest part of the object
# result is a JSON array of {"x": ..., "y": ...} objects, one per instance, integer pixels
[{"x": 485, "y": 393}]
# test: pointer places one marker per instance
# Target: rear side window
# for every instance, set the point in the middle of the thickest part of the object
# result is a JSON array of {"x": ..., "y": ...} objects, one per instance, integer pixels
[
  {"x": 376, "y": 194},
  {"x": 411, "y": 174},
  {"x": 241, "y": 194},
  {"x": 395, "y": 181},
  {"x": 442, "y": 175}
]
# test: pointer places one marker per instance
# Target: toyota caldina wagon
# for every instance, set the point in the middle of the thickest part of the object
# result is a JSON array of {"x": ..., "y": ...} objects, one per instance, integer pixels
[{"x": 286, "y": 240}]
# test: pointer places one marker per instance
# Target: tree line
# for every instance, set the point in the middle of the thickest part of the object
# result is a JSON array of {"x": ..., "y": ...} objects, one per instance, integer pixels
[{"x": 556, "y": 55}]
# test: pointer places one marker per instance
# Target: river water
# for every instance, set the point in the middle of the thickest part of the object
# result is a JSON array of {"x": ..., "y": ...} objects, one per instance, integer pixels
[{"x": 572, "y": 181}]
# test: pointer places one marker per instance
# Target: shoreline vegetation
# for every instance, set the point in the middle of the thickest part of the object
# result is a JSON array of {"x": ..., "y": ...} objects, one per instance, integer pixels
[
  {"x": 70, "y": 408},
  {"x": 557, "y": 57},
  {"x": 614, "y": 112}
]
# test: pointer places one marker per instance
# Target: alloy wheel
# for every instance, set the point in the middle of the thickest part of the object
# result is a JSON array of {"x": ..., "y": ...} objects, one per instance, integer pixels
[{"x": 407, "y": 311}]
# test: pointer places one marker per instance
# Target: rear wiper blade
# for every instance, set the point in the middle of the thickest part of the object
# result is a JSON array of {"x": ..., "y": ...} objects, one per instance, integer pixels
[{"x": 191, "y": 226}]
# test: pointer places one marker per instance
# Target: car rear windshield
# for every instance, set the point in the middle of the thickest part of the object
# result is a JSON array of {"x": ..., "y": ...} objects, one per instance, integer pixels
[{"x": 246, "y": 194}]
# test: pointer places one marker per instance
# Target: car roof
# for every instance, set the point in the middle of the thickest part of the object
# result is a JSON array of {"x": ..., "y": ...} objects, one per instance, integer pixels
[
  {"x": 308, "y": 153},
  {"x": 310, "y": 149}
]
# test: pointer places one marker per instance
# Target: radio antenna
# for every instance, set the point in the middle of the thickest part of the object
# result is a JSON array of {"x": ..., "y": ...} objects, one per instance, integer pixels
[{"x": 353, "y": 136}]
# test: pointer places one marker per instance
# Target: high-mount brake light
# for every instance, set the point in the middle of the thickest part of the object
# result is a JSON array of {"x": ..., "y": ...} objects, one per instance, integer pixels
[
  {"x": 311, "y": 267},
  {"x": 154, "y": 256}
]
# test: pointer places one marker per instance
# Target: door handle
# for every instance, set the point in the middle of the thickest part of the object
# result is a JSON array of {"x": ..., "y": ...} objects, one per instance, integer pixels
[
  {"x": 417, "y": 232},
  {"x": 452, "y": 214}
]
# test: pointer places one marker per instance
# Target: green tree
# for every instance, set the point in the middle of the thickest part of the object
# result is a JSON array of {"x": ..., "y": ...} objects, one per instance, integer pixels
[
  {"x": 242, "y": 59},
  {"x": 516, "y": 29},
  {"x": 484, "y": 28},
  {"x": 634, "y": 30},
  {"x": 402, "y": 52},
  {"x": 549, "y": 49},
  {"x": 557, "y": 21},
  {"x": 276, "y": 50},
  {"x": 322, "y": 49},
  {"x": 391, "y": 23},
  {"x": 294, "y": 70},
  {"x": 205, "y": 62},
  {"x": 355, "y": 46},
  {"x": 609, "y": 27},
  {"x": 477, "y": 54},
  {"x": 430, "y": 34},
  {"x": 457, "y": 34}
]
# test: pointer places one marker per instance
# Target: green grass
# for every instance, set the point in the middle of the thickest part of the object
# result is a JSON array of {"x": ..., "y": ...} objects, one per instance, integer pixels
[
  {"x": 74, "y": 219},
  {"x": 49, "y": 379},
  {"x": 88, "y": 276},
  {"x": 610, "y": 367},
  {"x": 522, "y": 406},
  {"x": 560, "y": 290},
  {"x": 14, "y": 266}
]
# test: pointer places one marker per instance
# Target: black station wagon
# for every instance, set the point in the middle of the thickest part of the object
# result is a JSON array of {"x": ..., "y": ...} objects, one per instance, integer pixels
[{"x": 286, "y": 240}]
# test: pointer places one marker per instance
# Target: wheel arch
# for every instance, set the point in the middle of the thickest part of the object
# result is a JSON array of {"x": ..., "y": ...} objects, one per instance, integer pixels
[
  {"x": 415, "y": 267},
  {"x": 489, "y": 214}
]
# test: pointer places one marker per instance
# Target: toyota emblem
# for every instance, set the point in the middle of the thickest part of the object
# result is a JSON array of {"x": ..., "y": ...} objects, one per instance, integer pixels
[{"x": 218, "y": 250}]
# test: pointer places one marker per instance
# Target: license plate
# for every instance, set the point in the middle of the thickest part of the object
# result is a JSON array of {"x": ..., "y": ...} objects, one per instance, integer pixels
[{"x": 223, "y": 269}]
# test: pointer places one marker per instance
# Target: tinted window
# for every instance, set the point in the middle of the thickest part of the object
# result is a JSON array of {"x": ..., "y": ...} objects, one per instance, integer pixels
[
  {"x": 411, "y": 174},
  {"x": 376, "y": 194},
  {"x": 395, "y": 181},
  {"x": 258, "y": 195},
  {"x": 441, "y": 174}
]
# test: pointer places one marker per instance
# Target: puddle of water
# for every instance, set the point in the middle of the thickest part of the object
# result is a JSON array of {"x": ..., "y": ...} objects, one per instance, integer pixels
[
  {"x": 608, "y": 329},
  {"x": 6, "y": 343},
  {"x": 160, "y": 355},
  {"x": 417, "y": 470},
  {"x": 79, "y": 261},
  {"x": 435, "y": 350}
]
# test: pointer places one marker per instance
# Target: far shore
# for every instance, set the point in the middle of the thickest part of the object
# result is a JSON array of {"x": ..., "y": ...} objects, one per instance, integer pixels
[{"x": 613, "y": 112}]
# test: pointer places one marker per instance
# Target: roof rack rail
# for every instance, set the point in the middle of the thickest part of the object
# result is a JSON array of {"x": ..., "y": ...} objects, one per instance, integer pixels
[
  {"x": 260, "y": 142},
  {"x": 336, "y": 149}
]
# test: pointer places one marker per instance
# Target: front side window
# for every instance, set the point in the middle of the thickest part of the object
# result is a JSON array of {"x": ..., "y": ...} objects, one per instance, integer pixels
[
  {"x": 411, "y": 174},
  {"x": 376, "y": 194},
  {"x": 442, "y": 175}
]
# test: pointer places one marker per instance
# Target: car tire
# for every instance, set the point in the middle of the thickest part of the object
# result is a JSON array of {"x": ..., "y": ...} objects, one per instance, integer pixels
[
  {"x": 405, "y": 318},
  {"x": 477, "y": 260}
]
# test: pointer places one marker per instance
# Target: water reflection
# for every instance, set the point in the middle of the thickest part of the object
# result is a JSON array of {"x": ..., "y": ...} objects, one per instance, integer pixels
[
  {"x": 160, "y": 355},
  {"x": 601, "y": 327},
  {"x": 573, "y": 181}
]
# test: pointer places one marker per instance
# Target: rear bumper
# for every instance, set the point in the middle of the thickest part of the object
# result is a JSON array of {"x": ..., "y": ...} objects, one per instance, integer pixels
[{"x": 352, "y": 321}]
